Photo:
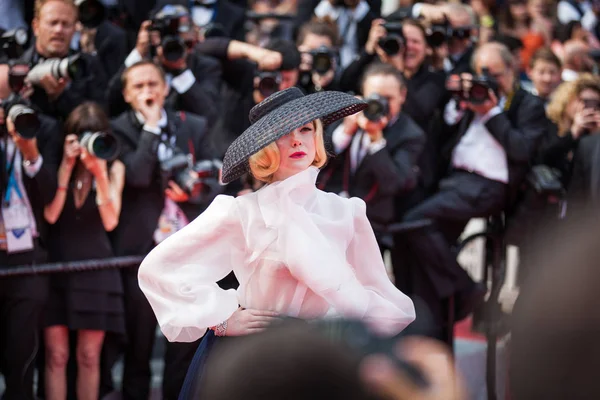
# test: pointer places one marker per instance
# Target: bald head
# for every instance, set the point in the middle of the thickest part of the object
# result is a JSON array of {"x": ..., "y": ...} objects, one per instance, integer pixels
[
  {"x": 575, "y": 54},
  {"x": 4, "y": 88},
  {"x": 498, "y": 60},
  {"x": 460, "y": 14}
]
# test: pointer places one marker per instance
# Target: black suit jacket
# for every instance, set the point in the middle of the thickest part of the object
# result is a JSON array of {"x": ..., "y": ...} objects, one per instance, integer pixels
[
  {"x": 519, "y": 130},
  {"x": 111, "y": 45},
  {"x": 144, "y": 192},
  {"x": 202, "y": 98},
  {"x": 40, "y": 192},
  {"x": 89, "y": 87},
  {"x": 585, "y": 180},
  {"x": 383, "y": 176}
]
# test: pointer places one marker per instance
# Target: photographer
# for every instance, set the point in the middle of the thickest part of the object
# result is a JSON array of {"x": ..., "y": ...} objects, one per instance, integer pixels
[
  {"x": 251, "y": 74},
  {"x": 151, "y": 137},
  {"x": 316, "y": 42},
  {"x": 28, "y": 184},
  {"x": 86, "y": 206},
  {"x": 59, "y": 89},
  {"x": 404, "y": 45},
  {"x": 194, "y": 79},
  {"x": 495, "y": 135},
  {"x": 377, "y": 150},
  {"x": 575, "y": 110}
]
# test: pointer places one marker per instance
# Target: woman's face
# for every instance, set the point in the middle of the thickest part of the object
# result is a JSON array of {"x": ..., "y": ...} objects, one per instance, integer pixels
[
  {"x": 518, "y": 10},
  {"x": 297, "y": 151}
]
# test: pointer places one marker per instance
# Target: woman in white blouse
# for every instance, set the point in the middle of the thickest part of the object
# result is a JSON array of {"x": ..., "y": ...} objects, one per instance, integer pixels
[{"x": 295, "y": 250}]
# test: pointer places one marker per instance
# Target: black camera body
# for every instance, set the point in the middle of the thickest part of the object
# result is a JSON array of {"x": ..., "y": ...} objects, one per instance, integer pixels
[
  {"x": 13, "y": 42},
  {"x": 168, "y": 27},
  {"x": 394, "y": 42},
  {"x": 479, "y": 89},
  {"x": 322, "y": 60},
  {"x": 438, "y": 34},
  {"x": 17, "y": 108},
  {"x": 197, "y": 179},
  {"x": 91, "y": 13},
  {"x": 268, "y": 82},
  {"x": 377, "y": 107}
]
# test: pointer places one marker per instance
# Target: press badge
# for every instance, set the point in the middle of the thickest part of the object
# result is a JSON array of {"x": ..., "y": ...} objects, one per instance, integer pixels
[{"x": 17, "y": 224}]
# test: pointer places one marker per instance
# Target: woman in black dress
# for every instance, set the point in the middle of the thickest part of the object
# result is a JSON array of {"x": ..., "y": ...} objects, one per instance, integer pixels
[{"x": 86, "y": 206}]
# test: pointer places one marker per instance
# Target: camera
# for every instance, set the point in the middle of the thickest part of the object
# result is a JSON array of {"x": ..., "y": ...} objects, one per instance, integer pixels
[
  {"x": 438, "y": 34},
  {"x": 168, "y": 26},
  {"x": 68, "y": 67},
  {"x": 478, "y": 93},
  {"x": 17, "y": 108},
  {"x": 393, "y": 43},
  {"x": 322, "y": 60},
  {"x": 103, "y": 145},
  {"x": 198, "y": 180},
  {"x": 591, "y": 104},
  {"x": 268, "y": 82},
  {"x": 12, "y": 43},
  {"x": 91, "y": 13},
  {"x": 377, "y": 107}
]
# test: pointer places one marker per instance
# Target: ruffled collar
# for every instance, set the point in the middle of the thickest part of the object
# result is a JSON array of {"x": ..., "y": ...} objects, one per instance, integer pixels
[{"x": 300, "y": 187}]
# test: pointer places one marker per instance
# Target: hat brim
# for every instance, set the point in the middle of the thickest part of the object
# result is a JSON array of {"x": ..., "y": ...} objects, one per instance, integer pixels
[{"x": 327, "y": 106}]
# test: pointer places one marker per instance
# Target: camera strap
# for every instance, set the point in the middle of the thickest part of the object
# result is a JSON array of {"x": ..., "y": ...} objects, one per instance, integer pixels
[{"x": 8, "y": 177}]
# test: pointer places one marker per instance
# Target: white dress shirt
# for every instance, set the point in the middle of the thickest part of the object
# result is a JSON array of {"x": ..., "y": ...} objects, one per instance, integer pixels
[
  {"x": 360, "y": 145},
  {"x": 478, "y": 150},
  {"x": 294, "y": 249}
]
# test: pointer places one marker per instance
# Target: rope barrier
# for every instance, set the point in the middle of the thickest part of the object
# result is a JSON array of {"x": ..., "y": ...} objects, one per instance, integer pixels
[{"x": 73, "y": 266}]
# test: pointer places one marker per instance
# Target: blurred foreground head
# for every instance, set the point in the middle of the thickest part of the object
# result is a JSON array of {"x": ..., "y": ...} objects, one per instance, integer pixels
[{"x": 555, "y": 344}]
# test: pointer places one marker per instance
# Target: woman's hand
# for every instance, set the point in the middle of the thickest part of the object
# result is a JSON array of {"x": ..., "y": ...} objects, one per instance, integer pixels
[
  {"x": 584, "y": 121},
  {"x": 247, "y": 321},
  {"x": 72, "y": 150},
  {"x": 95, "y": 165}
]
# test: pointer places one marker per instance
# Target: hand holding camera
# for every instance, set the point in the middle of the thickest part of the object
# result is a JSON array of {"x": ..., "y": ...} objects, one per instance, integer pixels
[
  {"x": 477, "y": 93},
  {"x": 27, "y": 146},
  {"x": 176, "y": 193},
  {"x": 586, "y": 119},
  {"x": 97, "y": 166},
  {"x": 72, "y": 150}
]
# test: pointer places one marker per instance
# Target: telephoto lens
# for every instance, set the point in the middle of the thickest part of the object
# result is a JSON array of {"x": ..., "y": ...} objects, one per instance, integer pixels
[
  {"x": 103, "y": 145},
  {"x": 322, "y": 62},
  {"x": 27, "y": 123},
  {"x": 268, "y": 83},
  {"x": 69, "y": 67}
]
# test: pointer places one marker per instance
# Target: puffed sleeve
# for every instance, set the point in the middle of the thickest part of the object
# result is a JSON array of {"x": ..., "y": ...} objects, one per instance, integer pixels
[
  {"x": 179, "y": 277},
  {"x": 389, "y": 310}
]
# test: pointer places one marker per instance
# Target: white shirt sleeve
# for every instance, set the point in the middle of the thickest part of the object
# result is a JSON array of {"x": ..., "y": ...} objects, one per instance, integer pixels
[
  {"x": 132, "y": 58},
  {"x": 31, "y": 170},
  {"x": 567, "y": 13},
  {"x": 340, "y": 139},
  {"x": 179, "y": 277}
]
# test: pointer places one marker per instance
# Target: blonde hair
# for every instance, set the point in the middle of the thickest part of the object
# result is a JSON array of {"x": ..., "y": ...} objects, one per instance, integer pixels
[
  {"x": 265, "y": 162},
  {"x": 566, "y": 93},
  {"x": 37, "y": 9}
]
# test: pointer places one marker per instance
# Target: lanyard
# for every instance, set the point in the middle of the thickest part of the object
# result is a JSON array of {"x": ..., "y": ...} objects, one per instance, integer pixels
[{"x": 12, "y": 180}]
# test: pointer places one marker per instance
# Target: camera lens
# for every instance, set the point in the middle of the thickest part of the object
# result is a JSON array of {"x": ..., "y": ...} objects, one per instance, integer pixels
[
  {"x": 436, "y": 39},
  {"x": 26, "y": 121},
  {"x": 321, "y": 63},
  {"x": 375, "y": 110},
  {"x": 391, "y": 45},
  {"x": 173, "y": 48},
  {"x": 478, "y": 93},
  {"x": 101, "y": 145},
  {"x": 268, "y": 85}
]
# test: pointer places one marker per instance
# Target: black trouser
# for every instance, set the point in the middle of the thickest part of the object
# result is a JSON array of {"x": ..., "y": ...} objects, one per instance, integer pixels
[
  {"x": 20, "y": 330},
  {"x": 462, "y": 196},
  {"x": 178, "y": 357},
  {"x": 141, "y": 334}
]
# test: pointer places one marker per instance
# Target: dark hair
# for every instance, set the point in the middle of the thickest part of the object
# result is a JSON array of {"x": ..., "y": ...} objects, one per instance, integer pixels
[
  {"x": 87, "y": 117},
  {"x": 545, "y": 54},
  {"x": 289, "y": 53},
  {"x": 292, "y": 362},
  {"x": 385, "y": 70},
  {"x": 320, "y": 27},
  {"x": 141, "y": 63}
]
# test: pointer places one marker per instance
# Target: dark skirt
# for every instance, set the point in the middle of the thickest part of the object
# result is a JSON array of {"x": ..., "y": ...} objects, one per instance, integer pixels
[
  {"x": 78, "y": 304},
  {"x": 190, "y": 388}
]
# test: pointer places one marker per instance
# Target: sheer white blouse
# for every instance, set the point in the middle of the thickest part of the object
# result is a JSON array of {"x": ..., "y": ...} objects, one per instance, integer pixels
[{"x": 294, "y": 249}]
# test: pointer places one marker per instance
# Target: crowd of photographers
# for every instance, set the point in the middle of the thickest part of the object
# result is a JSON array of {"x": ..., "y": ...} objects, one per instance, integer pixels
[{"x": 115, "y": 116}]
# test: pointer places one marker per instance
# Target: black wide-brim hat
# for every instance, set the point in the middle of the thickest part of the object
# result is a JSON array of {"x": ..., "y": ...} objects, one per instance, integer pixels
[{"x": 278, "y": 115}]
